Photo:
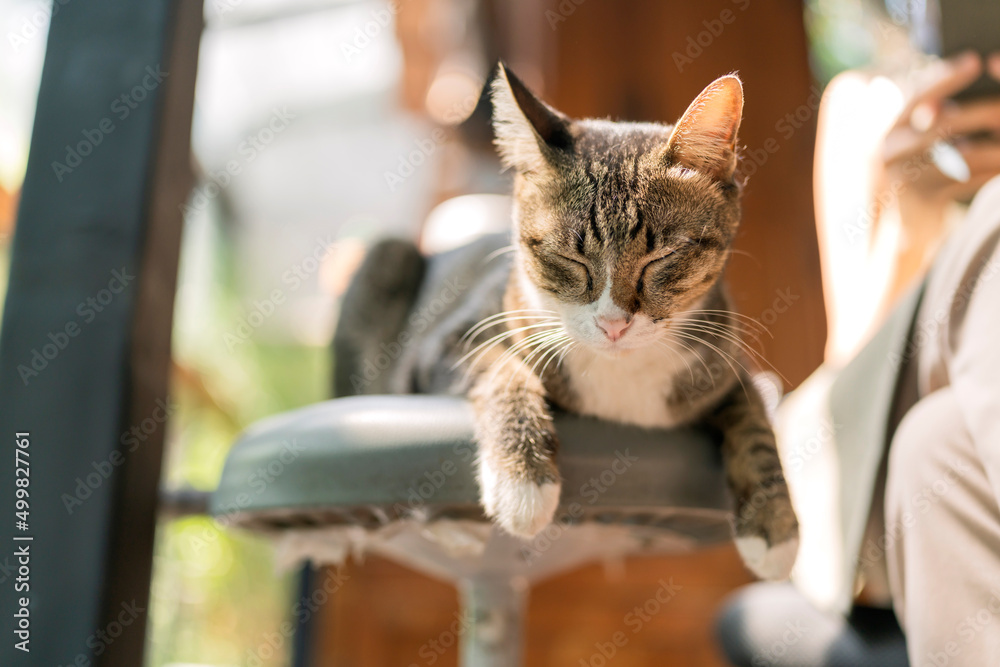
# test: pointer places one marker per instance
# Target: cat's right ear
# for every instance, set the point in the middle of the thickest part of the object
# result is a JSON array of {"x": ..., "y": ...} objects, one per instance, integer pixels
[
  {"x": 704, "y": 139},
  {"x": 529, "y": 133}
]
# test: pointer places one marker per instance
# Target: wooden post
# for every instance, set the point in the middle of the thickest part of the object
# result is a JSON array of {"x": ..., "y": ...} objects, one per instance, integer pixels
[{"x": 85, "y": 348}]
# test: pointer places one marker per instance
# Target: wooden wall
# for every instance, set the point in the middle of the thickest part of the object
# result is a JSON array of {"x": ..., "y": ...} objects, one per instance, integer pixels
[
  {"x": 617, "y": 59},
  {"x": 385, "y": 615}
]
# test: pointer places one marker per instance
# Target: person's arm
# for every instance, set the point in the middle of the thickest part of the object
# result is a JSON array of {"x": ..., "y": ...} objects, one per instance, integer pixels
[
  {"x": 922, "y": 194},
  {"x": 874, "y": 144},
  {"x": 857, "y": 109}
]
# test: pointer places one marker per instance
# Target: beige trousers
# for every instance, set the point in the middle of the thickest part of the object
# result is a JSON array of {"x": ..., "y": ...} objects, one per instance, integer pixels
[
  {"x": 917, "y": 525},
  {"x": 943, "y": 538},
  {"x": 942, "y": 482}
]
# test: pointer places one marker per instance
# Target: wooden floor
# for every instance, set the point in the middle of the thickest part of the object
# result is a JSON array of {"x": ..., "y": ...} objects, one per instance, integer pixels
[{"x": 386, "y": 615}]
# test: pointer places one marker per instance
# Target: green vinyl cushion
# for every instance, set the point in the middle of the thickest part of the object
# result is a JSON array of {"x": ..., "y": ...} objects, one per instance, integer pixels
[{"x": 368, "y": 460}]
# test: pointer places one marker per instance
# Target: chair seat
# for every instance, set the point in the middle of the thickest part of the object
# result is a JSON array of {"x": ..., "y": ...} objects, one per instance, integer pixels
[{"x": 369, "y": 460}]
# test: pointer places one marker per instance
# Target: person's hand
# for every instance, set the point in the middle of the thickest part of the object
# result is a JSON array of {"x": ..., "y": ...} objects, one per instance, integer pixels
[
  {"x": 929, "y": 126},
  {"x": 938, "y": 151}
]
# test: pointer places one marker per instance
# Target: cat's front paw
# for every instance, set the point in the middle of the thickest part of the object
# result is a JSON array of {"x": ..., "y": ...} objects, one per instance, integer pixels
[
  {"x": 767, "y": 538},
  {"x": 522, "y": 507},
  {"x": 768, "y": 562}
]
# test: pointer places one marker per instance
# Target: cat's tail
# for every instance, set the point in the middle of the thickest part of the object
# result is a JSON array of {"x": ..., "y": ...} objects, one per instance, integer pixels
[{"x": 373, "y": 314}]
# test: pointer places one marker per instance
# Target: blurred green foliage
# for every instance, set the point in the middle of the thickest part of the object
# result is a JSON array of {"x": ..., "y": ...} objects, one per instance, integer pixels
[
  {"x": 216, "y": 596},
  {"x": 842, "y": 35}
]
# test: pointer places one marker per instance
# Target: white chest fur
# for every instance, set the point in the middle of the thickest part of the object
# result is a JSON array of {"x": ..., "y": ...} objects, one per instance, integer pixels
[{"x": 631, "y": 388}]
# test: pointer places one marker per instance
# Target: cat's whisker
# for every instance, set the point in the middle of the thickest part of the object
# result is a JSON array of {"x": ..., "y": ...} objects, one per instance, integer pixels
[
  {"x": 484, "y": 348},
  {"x": 499, "y": 251},
  {"x": 683, "y": 358},
  {"x": 695, "y": 337},
  {"x": 735, "y": 251},
  {"x": 543, "y": 347},
  {"x": 722, "y": 329},
  {"x": 515, "y": 311},
  {"x": 507, "y": 315},
  {"x": 542, "y": 342},
  {"x": 498, "y": 363},
  {"x": 700, "y": 359},
  {"x": 753, "y": 354},
  {"x": 745, "y": 319},
  {"x": 698, "y": 355},
  {"x": 511, "y": 352},
  {"x": 503, "y": 335},
  {"x": 512, "y": 314},
  {"x": 731, "y": 337},
  {"x": 725, "y": 356},
  {"x": 475, "y": 363},
  {"x": 731, "y": 315},
  {"x": 549, "y": 351},
  {"x": 519, "y": 318},
  {"x": 671, "y": 349},
  {"x": 722, "y": 333},
  {"x": 730, "y": 331},
  {"x": 566, "y": 351},
  {"x": 527, "y": 342},
  {"x": 734, "y": 328},
  {"x": 558, "y": 352}
]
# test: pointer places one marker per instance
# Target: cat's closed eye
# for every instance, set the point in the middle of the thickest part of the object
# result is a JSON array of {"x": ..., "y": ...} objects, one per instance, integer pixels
[
  {"x": 658, "y": 264},
  {"x": 570, "y": 275},
  {"x": 582, "y": 261},
  {"x": 662, "y": 259}
]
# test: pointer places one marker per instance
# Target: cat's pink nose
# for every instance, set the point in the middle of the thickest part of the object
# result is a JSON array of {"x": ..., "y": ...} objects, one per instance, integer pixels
[{"x": 613, "y": 329}]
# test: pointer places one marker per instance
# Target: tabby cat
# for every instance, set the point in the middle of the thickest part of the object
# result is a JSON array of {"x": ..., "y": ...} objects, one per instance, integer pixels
[{"x": 611, "y": 305}]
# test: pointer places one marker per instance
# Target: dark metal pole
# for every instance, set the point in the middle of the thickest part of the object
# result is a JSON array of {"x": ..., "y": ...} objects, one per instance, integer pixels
[{"x": 85, "y": 347}]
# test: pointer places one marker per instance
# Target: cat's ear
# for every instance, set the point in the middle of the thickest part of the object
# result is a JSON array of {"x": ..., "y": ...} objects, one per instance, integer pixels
[
  {"x": 529, "y": 133},
  {"x": 704, "y": 139}
]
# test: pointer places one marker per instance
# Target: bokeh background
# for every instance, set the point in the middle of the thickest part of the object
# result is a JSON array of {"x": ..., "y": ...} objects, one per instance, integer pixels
[{"x": 323, "y": 124}]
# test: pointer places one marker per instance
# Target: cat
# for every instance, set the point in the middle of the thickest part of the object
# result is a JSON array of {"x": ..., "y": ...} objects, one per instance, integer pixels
[{"x": 611, "y": 304}]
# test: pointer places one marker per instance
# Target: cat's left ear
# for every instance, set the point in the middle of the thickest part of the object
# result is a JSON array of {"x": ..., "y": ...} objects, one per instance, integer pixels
[
  {"x": 704, "y": 139},
  {"x": 529, "y": 133}
]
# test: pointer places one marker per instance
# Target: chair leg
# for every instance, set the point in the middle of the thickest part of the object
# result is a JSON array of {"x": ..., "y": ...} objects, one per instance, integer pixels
[
  {"x": 493, "y": 607},
  {"x": 302, "y": 643}
]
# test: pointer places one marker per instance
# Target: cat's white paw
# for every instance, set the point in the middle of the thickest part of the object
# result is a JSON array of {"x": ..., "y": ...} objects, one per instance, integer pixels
[
  {"x": 521, "y": 508},
  {"x": 774, "y": 564}
]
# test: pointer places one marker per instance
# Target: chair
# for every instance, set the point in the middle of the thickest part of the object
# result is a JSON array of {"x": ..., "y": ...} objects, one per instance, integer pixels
[{"x": 394, "y": 475}]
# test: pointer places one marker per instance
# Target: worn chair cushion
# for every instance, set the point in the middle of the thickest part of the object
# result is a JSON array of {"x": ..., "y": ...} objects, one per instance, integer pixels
[{"x": 369, "y": 460}]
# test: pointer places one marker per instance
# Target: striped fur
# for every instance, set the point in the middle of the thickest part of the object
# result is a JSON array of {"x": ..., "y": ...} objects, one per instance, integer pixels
[{"x": 621, "y": 227}]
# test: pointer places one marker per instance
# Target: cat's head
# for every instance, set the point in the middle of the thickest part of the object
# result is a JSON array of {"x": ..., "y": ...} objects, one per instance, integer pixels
[{"x": 620, "y": 226}]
